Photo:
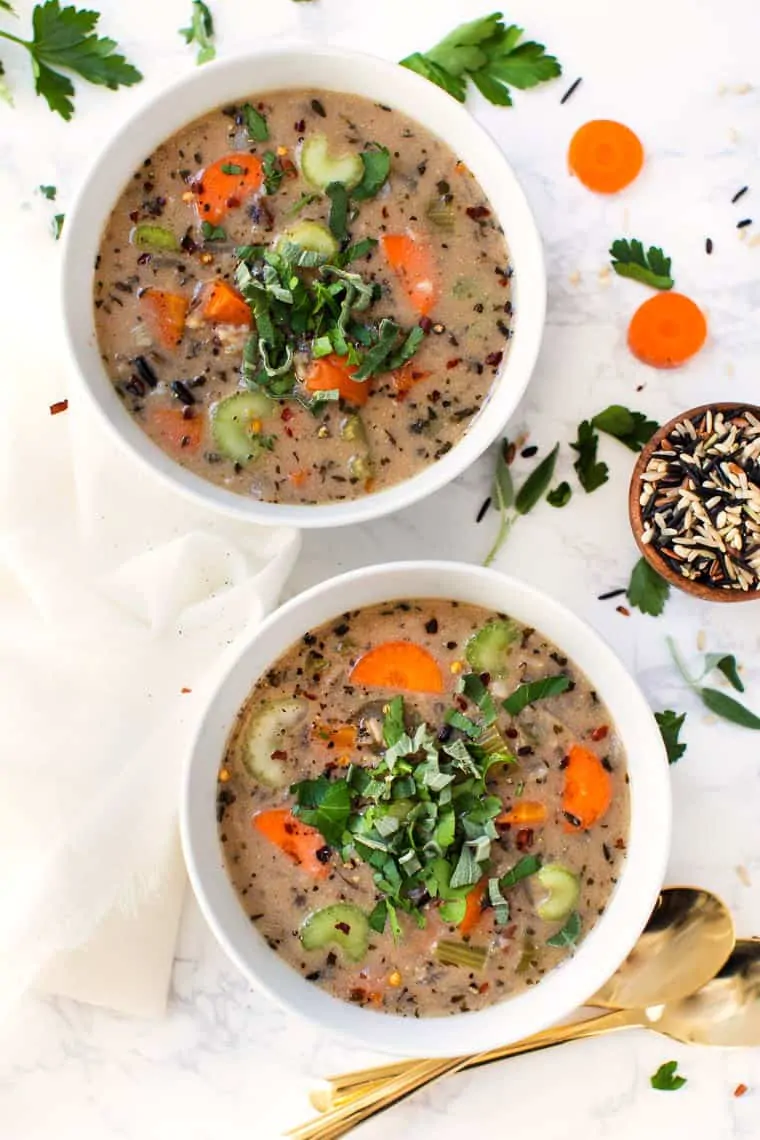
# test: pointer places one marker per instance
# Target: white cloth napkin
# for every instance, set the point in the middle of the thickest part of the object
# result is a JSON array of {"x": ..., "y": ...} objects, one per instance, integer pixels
[{"x": 116, "y": 596}]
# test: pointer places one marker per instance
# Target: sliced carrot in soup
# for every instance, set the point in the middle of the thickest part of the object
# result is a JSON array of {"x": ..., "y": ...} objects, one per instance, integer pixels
[
  {"x": 164, "y": 315},
  {"x": 175, "y": 431},
  {"x": 223, "y": 305},
  {"x": 398, "y": 665},
  {"x": 226, "y": 184},
  {"x": 525, "y": 812},
  {"x": 412, "y": 260},
  {"x": 295, "y": 839},
  {"x": 587, "y": 793},
  {"x": 333, "y": 372},
  {"x": 473, "y": 909}
]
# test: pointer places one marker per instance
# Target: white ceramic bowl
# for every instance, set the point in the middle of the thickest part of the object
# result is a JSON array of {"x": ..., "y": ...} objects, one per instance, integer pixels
[
  {"x": 599, "y": 954},
  {"x": 329, "y": 68}
]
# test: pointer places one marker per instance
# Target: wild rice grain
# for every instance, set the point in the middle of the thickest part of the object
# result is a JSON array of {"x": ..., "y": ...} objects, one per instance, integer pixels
[{"x": 571, "y": 89}]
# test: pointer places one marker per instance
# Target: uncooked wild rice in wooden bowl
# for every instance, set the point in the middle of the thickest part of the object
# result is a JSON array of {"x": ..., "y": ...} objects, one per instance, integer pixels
[{"x": 694, "y": 502}]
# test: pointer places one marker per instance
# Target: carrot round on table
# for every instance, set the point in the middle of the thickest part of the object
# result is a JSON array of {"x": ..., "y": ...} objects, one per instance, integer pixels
[
  {"x": 667, "y": 330},
  {"x": 164, "y": 314},
  {"x": 398, "y": 665},
  {"x": 294, "y": 838},
  {"x": 587, "y": 792},
  {"x": 174, "y": 430},
  {"x": 606, "y": 156},
  {"x": 413, "y": 262},
  {"x": 333, "y": 372},
  {"x": 221, "y": 304},
  {"x": 226, "y": 184}
]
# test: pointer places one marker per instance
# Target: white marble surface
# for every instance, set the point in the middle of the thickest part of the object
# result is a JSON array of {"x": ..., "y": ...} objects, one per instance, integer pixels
[{"x": 224, "y": 1060}]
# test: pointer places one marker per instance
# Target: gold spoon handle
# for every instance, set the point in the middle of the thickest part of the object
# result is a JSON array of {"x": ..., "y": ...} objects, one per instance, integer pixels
[{"x": 340, "y": 1120}]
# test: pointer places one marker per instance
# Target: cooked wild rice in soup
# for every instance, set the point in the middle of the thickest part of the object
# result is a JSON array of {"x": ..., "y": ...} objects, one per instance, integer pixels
[
  {"x": 423, "y": 807},
  {"x": 303, "y": 297}
]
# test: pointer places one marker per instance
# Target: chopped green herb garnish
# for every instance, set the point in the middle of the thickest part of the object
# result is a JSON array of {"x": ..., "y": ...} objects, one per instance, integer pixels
[
  {"x": 591, "y": 474},
  {"x": 488, "y": 53},
  {"x": 535, "y": 691},
  {"x": 49, "y": 192},
  {"x": 273, "y": 172},
  {"x": 569, "y": 934},
  {"x": 717, "y": 702},
  {"x": 65, "y": 38},
  {"x": 498, "y": 902},
  {"x": 338, "y": 220},
  {"x": 213, "y": 233},
  {"x": 631, "y": 428},
  {"x": 376, "y": 161},
  {"x": 647, "y": 590},
  {"x": 231, "y": 168},
  {"x": 304, "y": 201},
  {"x": 650, "y": 268},
  {"x": 324, "y": 804},
  {"x": 255, "y": 123},
  {"x": 523, "y": 869},
  {"x": 560, "y": 496},
  {"x": 201, "y": 32},
  {"x": 670, "y": 725},
  {"x": 666, "y": 1079}
]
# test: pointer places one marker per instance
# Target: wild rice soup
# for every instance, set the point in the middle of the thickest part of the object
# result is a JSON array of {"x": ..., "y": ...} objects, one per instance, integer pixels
[
  {"x": 423, "y": 807},
  {"x": 303, "y": 297}
]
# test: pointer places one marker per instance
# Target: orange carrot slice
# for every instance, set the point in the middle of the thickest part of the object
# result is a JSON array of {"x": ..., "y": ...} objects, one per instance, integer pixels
[
  {"x": 299, "y": 477},
  {"x": 295, "y": 839},
  {"x": 344, "y": 736},
  {"x": 526, "y": 812},
  {"x": 412, "y": 260},
  {"x": 473, "y": 909},
  {"x": 398, "y": 665},
  {"x": 330, "y": 372},
  {"x": 175, "y": 431},
  {"x": 404, "y": 379},
  {"x": 587, "y": 793},
  {"x": 164, "y": 314},
  {"x": 225, "y": 185},
  {"x": 667, "y": 330},
  {"x": 223, "y": 305},
  {"x": 606, "y": 156}
]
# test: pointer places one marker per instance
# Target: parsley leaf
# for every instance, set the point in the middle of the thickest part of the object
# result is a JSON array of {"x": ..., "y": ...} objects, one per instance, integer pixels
[
  {"x": 255, "y": 124},
  {"x": 631, "y": 428},
  {"x": 647, "y": 590},
  {"x": 213, "y": 233},
  {"x": 232, "y": 168},
  {"x": 273, "y": 172},
  {"x": 376, "y": 161},
  {"x": 489, "y": 53},
  {"x": 48, "y": 192},
  {"x": 526, "y": 694},
  {"x": 560, "y": 496},
  {"x": 201, "y": 32},
  {"x": 666, "y": 1078},
  {"x": 650, "y": 268},
  {"x": 591, "y": 474},
  {"x": 569, "y": 934},
  {"x": 324, "y": 804},
  {"x": 65, "y": 37},
  {"x": 670, "y": 725}
]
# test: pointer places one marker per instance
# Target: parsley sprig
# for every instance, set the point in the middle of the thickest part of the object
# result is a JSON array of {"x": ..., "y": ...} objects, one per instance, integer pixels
[
  {"x": 650, "y": 268},
  {"x": 422, "y": 817},
  {"x": 647, "y": 591},
  {"x": 670, "y": 725},
  {"x": 489, "y": 53},
  {"x": 65, "y": 38}
]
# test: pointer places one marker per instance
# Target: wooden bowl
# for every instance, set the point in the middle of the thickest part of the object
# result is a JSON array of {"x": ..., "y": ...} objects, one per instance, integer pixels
[{"x": 697, "y": 589}]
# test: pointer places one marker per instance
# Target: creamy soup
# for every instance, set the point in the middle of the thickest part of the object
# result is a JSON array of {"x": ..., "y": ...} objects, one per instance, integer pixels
[
  {"x": 303, "y": 297},
  {"x": 424, "y": 807}
]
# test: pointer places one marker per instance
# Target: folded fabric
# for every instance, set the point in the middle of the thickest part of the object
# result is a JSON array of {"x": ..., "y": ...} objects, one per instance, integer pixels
[{"x": 120, "y": 602}]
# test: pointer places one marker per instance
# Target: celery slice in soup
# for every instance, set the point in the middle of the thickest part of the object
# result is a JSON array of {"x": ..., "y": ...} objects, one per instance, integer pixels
[
  {"x": 266, "y": 735},
  {"x": 155, "y": 239},
  {"x": 450, "y": 953},
  {"x": 342, "y": 925},
  {"x": 488, "y": 649},
  {"x": 564, "y": 889},
  {"x": 319, "y": 167},
  {"x": 312, "y": 236}
]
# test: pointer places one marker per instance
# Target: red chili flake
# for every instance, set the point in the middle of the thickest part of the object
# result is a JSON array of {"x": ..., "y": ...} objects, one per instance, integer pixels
[
  {"x": 185, "y": 689},
  {"x": 289, "y": 432},
  {"x": 357, "y": 994},
  {"x": 58, "y": 407},
  {"x": 622, "y": 610},
  {"x": 233, "y": 202},
  {"x": 740, "y": 1090},
  {"x": 311, "y": 697},
  {"x": 343, "y": 927},
  {"x": 289, "y": 167},
  {"x": 453, "y": 363},
  {"x": 620, "y": 844},
  {"x": 510, "y": 454},
  {"x": 286, "y": 414},
  {"x": 385, "y": 211},
  {"x": 494, "y": 359},
  {"x": 477, "y": 212},
  {"x": 279, "y": 754},
  {"x": 483, "y": 988},
  {"x": 600, "y": 732},
  {"x": 524, "y": 838}
]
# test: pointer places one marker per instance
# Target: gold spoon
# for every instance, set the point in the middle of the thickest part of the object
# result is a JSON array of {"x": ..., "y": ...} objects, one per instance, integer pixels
[
  {"x": 725, "y": 1011},
  {"x": 687, "y": 939}
]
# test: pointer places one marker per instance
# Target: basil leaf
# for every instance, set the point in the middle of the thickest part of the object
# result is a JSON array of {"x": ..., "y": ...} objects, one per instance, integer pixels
[
  {"x": 338, "y": 219},
  {"x": 536, "y": 484},
  {"x": 377, "y": 164},
  {"x": 726, "y": 663},
  {"x": 213, "y": 233},
  {"x": 560, "y": 496},
  {"x": 670, "y": 725},
  {"x": 666, "y": 1079},
  {"x": 354, "y": 252},
  {"x": 729, "y": 709},
  {"x": 535, "y": 691},
  {"x": 255, "y": 123},
  {"x": 522, "y": 869},
  {"x": 569, "y": 934}
]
